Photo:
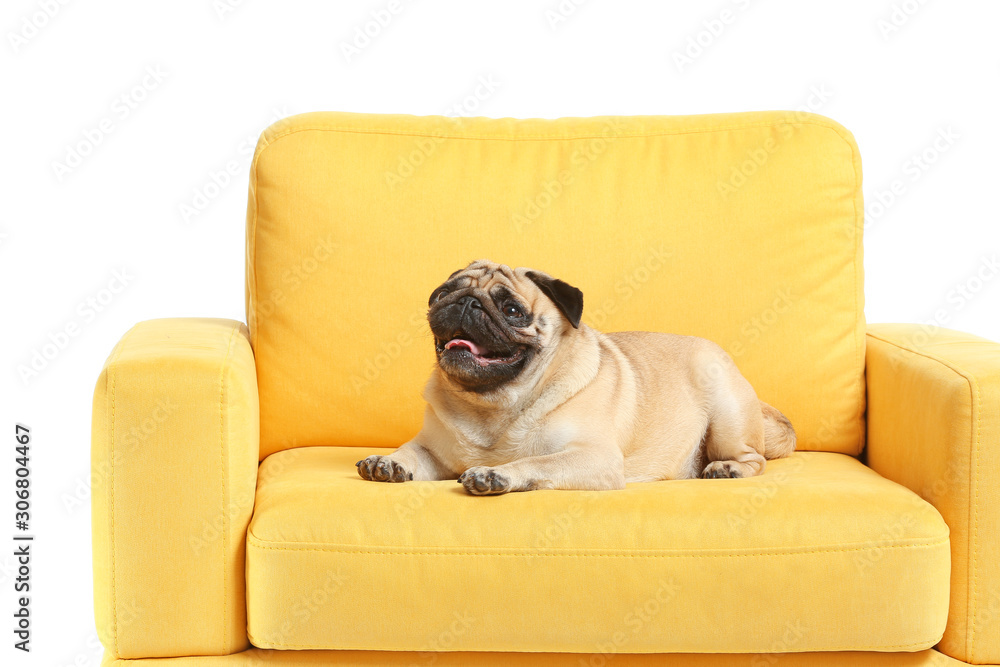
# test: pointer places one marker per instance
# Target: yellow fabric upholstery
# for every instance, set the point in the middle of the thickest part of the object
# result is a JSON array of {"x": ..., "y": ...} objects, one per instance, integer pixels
[
  {"x": 175, "y": 437},
  {"x": 742, "y": 228},
  {"x": 819, "y": 547},
  {"x": 264, "y": 657},
  {"x": 934, "y": 426}
]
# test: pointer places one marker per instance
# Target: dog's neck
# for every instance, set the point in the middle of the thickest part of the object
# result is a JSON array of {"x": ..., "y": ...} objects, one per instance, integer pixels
[{"x": 573, "y": 366}]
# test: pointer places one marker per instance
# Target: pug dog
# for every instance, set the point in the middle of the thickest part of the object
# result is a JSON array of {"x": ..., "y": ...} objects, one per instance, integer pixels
[{"x": 525, "y": 396}]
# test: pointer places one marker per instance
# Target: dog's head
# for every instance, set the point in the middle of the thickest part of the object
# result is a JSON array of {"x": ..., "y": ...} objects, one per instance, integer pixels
[{"x": 491, "y": 323}]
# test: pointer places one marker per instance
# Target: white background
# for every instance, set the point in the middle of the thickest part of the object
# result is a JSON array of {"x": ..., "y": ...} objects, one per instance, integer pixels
[{"x": 224, "y": 70}]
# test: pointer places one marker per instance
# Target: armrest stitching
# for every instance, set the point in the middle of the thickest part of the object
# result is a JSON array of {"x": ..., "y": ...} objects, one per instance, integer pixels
[
  {"x": 975, "y": 397},
  {"x": 947, "y": 364},
  {"x": 225, "y": 505},
  {"x": 974, "y": 513},
  {"x": 112, "y": 379}
]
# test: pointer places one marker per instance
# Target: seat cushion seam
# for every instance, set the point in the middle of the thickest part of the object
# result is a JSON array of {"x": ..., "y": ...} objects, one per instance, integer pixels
[
  {"x": 277, "y": 645},
  {"x": 256, "y": 543}
]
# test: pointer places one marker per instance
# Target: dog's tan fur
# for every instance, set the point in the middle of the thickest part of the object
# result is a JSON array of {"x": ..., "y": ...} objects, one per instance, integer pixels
[{"x": 589, "y": 411}]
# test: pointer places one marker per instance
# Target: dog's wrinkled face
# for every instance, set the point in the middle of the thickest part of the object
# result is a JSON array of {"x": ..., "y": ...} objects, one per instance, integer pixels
[{"x": 490, "y": 322}]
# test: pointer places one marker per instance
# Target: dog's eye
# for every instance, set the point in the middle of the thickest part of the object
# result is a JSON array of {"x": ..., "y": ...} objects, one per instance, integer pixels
[{"x": 512, "y": 311}]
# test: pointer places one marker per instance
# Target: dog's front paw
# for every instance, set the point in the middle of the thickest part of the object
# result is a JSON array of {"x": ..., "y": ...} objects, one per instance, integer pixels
[
  {"x": 723, "y": 469},
  {"x": 483, "y": 481},
  {"x": 382, "y": 469}
]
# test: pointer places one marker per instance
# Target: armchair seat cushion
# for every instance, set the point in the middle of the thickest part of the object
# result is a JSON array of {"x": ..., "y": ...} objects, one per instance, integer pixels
[{"x": 819, "y": 553}]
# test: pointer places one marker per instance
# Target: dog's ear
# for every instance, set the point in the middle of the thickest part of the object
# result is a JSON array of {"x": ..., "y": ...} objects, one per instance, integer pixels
[{"x": 568, "y": 299}]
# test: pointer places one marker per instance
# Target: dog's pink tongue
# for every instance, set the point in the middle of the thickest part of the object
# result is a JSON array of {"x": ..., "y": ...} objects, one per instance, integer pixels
[{"x": 461, "y": 342}]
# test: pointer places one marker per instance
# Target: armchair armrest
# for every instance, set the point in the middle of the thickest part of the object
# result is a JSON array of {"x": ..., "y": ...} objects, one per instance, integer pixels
[
  {"x": 934, "y": 426},
  {"x": 174, "y": 469}
]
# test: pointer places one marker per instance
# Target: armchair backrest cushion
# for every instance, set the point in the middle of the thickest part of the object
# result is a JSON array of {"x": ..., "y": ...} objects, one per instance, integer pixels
[{"x": 742, "y": 228}]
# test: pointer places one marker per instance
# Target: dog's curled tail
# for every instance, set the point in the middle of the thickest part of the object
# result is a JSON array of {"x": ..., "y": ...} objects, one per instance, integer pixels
[{"x": 779, "y": 434}]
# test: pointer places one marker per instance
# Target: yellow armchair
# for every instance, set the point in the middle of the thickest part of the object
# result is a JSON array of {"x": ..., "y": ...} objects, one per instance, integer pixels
[{"x": 231, "y": 528}]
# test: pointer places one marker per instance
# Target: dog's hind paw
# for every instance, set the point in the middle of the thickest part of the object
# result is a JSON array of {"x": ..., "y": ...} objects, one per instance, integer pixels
[{"x": 723, "y": 469}]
